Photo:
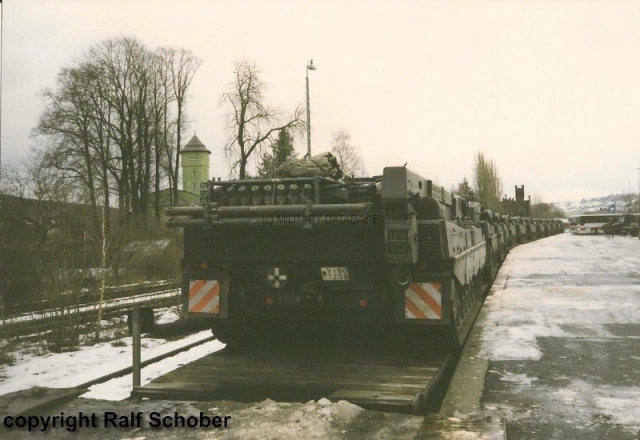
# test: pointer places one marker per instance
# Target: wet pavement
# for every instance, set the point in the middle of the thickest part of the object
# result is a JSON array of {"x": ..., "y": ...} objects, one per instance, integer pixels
[{"x": 555, "y": 353}]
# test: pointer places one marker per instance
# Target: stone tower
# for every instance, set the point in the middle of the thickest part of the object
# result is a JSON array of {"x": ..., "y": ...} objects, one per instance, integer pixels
[{"x": 195, "y": 165}]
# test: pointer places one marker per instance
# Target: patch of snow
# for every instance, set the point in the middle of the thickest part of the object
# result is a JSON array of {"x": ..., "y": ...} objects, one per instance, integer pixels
[
  {"x": 585, "y": 402},
  {"x": 166, "y": 315},
  {"x": 70, "y": 369},
  {"x": 536, "y": 295},
  {"x": 120, "y": 387},
  {"x": 520, "y": 379}
]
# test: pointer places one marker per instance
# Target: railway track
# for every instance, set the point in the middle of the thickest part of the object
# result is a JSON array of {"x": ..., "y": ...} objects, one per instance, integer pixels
[
  {"x": 26, "y": 324},
  {"x": 111, "y": 293}
]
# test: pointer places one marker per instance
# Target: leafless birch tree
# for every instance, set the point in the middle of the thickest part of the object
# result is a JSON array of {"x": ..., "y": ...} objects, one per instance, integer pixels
[{"x": 346, "y": 154}]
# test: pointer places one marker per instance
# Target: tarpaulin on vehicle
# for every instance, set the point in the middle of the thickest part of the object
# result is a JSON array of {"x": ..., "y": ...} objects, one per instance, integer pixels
[{"x": 321, "y": 165}]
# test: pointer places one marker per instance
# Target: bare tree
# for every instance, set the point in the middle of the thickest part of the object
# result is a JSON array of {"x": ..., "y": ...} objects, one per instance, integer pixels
[
  {"x": 114, "y": 122},
  {"x": 162, "y": 127},
  {"x": 487, "y": 182},
  {"x": 250, "y": 122},
  {"x": 182, "y": 65},
  {"x": 13, "y": 181},
  {"x": 346, "y": 154},
  {"x": 68, "y": 121}
]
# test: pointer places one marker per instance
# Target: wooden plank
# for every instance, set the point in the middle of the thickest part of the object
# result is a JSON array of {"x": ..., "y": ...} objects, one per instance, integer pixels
[
  {"x": 174, "y": 391},
  {"x": 372, "y": 397},
  {"x": 302, "y": 378},
  {"x": 240, "y": 382},
  {"x": 317, "y": 376},
  {"x": 207, "y": 389},
  {"x": 218, "y": 373}
]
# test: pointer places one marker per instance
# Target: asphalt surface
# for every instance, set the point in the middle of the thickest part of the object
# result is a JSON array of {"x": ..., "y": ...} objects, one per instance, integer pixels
[{"x": 569, "y": 365}]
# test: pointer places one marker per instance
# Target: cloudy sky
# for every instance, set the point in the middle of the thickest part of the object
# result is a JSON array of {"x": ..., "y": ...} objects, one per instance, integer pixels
[{"x": 549, "y": 90}]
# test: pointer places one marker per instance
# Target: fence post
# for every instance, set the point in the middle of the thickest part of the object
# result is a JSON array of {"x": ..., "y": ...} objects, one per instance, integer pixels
[{"x": 136, "y": 346}]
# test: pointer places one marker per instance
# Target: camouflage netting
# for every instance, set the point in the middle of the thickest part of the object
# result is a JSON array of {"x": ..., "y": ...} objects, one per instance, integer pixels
[{"x": 321, "y": 165}]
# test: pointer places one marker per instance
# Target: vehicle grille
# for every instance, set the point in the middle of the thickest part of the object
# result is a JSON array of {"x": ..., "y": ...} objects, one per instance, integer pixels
[{"x": 429, "y": 242}]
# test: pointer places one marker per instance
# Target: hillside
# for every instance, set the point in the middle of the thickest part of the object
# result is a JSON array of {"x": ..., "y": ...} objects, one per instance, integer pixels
[{"x": 613, "y": 202}]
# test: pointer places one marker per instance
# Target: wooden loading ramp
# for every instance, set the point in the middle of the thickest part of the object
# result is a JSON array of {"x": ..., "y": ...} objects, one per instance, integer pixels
[{"x": 376, "y": 376}]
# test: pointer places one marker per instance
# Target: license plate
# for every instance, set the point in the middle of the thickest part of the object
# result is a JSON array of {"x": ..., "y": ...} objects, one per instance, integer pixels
[{"x": 335, "y": 273}]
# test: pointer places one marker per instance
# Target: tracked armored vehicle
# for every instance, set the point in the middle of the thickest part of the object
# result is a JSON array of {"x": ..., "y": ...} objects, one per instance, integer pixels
[{"x": 394, "y": 251}]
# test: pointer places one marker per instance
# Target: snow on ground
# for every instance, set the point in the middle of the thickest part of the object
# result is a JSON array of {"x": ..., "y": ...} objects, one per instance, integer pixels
[
  {"x": 619, "y": 403},
  {"x": 120, "y": 387},
  {"x": 535, "y": 297},
  {"x": 70, "y": 369},
  {"x": 321, "y": 419},
  {"x": 595, "y": 204},
  {"x": 166, "y": 315}
]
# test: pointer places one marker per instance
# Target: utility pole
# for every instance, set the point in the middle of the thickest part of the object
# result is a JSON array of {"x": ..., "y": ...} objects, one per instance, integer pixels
[
  {"x": 638, "y": 199},
  {"x": 310, "y": 66}
]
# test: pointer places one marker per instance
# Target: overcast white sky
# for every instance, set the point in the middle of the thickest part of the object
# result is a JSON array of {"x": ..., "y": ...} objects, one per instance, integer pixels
[{"x": 549, "y": 90}]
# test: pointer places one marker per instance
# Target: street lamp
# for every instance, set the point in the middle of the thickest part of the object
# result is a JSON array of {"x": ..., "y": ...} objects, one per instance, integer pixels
[{"x": 310, "y": 66}]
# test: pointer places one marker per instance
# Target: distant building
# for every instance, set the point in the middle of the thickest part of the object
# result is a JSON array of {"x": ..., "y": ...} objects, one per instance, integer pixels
[
  {"x": 195, "y": 170},
  {"x": 195, "y": 165},
  {"x": 519, "y": 206}
]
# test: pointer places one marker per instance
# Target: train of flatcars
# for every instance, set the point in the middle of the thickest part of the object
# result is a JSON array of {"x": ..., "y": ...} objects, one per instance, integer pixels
[{"x": 394, "y": 251}]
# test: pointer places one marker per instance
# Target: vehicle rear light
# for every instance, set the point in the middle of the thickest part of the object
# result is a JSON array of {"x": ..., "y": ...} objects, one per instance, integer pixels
[
  {"x": 268, "y": 300},
  {"x": 363, "y": 302},
  {"x": 403, "y": 276},
  {"x": 204, "y": 265}
]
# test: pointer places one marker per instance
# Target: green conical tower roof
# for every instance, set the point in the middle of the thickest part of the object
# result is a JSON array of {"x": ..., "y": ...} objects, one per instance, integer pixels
[{"x": 195, "y": 144}]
